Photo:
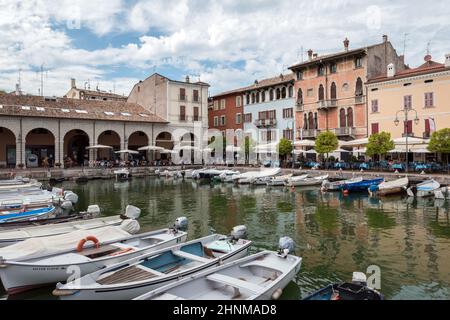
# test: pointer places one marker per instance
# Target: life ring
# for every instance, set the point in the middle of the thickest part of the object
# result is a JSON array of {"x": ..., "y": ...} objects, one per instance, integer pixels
[
  {"x": 81, "y": 243},
  {"x": 121, "y": 252}
]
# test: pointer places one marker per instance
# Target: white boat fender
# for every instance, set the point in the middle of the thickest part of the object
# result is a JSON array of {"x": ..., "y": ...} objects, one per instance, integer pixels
[
  {"x": 181, "y": 223},
  {"x": 277, "y": 294},
  {"x": 70, "y": 196},
  {"x": 359, "y": 278},
  {"x": 131, "y": 226},
  {"x": 132, "y": 212},
  {"x": 239, "y": 232},
  {"x": 286, "y": 245},
  {"x": 93, "y": 210}
]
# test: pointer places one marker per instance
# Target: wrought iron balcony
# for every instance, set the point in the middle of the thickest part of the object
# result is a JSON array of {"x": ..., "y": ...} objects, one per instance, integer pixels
[
  {"x": 265, "y": 123},
  {"x": 345, "y": 132},
  {"x": 311, "y": 133}
]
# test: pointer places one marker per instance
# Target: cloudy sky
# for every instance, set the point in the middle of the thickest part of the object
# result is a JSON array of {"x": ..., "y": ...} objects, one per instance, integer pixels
[{"x": 228, "y": 43}]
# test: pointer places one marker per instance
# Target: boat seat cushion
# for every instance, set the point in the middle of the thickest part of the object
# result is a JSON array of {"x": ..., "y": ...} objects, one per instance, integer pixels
[{"x": 234, "y": 282}]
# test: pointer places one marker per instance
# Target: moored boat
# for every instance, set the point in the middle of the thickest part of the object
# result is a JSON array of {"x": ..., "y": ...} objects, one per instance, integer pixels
[
  {"x": 261, "y": 276},
  {"x": 136, "y": 276},
  {"x": 26, "y": 215},
  {"x": 361, "y": 186},
  {"x": 330, "y": 186},
  {"x": 424, "y": 189},
  {"x": 389, "y": 187},
  {"x": 442, "y": 193},
  {"x": 313, "y": 181},
  {"x": 278, "y": 181},
  {"x": 122, "y": 174},
  {"x": 47, "y": 260}
]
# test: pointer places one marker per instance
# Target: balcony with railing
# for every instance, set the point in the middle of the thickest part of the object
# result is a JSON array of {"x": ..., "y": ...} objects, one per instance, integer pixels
[
  {"x": 265, "y": 123},
  {"x": 310, "y": 133},
  {"x": 326, "y": 104},
  {"x": 300, "y": 107},
  {"x": 345, "y": 132},
  {"x": 359, "y": 99}
]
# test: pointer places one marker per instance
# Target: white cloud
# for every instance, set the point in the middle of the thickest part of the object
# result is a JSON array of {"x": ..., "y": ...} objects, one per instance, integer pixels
[{"x": 209, "y": 38}]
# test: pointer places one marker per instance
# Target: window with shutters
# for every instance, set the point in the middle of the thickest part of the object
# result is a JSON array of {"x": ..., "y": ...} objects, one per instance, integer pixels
[
  {"x": 216, "y": 105},
  {"x": 291, "y": 91},
  {"x": 342, "y": 118},
  {"x": 182, "y": 94},
  {"x": 375, "y": 128},
  {"x": 248, "y": 118},
  {"x": 195, "y": 96},
  {"x": 238, "y": 118},
  {"x": 427, "y": 127},
  {"x": 182, "y": 113},
  {"x": 288, "y": 134},
  {"x": 408, "y": 127},
  {"x": 288, "y": 113},
  {"x": 222, "y": 104},
  {"x": 407, "y": 102},
  {"x": 196, "y": 117},
  {"x": 321, "y": 70},
  {"x": 350, "y": 117},
  {"x": 238, "y": 101},
  {"x": 222, "y": 120},
  {"x": 333, "y": 91},
  {"x": 429, "y": 100},
  {"x": 321, "y": 93},
  {"x": 216, "y": 121},
  {"x": 374, "y": 106}
]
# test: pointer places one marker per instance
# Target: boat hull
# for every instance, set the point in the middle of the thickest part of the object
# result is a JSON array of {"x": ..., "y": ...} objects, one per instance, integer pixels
[
  {"x": 130, "y": 292},
  {"x": 18, "y": 277},
  {"x": 362, "y": 186}
]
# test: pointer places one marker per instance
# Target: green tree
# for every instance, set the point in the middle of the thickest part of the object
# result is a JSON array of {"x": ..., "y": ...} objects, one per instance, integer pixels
[
  {"x": 440, "y": 142},
  {"x": 379, "y": 144},
  {"x": 326, "y": 143},
  {"x": 285, "y": 148}
]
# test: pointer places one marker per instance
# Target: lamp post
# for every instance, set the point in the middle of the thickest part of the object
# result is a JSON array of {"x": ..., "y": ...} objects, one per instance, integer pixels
[{"x": 406, "y": 112}]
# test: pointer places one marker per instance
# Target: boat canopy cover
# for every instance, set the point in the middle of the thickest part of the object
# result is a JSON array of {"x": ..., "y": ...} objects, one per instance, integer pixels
[
  {"x": 37, "y": 247},
  {"x": 132, "y": 212}
]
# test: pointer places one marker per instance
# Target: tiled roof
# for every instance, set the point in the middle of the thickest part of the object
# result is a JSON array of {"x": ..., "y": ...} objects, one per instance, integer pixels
[
  {"x": 64, "y": 108},
  {"x": 285, "y": 78},
  {"x": 428, "y": 67},
  {"x": 328, "y": 57}
]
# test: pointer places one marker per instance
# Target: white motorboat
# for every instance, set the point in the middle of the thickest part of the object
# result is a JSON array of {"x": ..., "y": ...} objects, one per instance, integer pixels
[
  {"x": 261, "y": 276},
  {"x": 48, "y": 260},
  {"x": 253, "y": 176},
  {"x": 278, "y": 181},
  {"x": 122, "y": 174},
  {"x": 424, "y": 189},
  {"x": 295, "y": 179},
  {"x": 338, "y": 185},
  {"x": 21, "y": 186},
  {"x": 14, "y": 235},
  {"x": 133, "y": 277},
  {"x": 315, "y": 181},
  {"x": 390, "y": 187},
  {"x": 227, "y": 175}
]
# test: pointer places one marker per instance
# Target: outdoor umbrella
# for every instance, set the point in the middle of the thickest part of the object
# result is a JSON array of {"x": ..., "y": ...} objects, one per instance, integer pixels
[
  {"x": 151, "y": 148},
  {"x": 99, "y": 146},
  {"x": 305, "y": 143},
  {"x": 128, "y": 151},
  {"x": 421, "y": 150},
  {"x": 363, "y": 150},
  {"x": 354, "y": 143},
  {"x": 312, "y": 151},
  {"x": 341, "y": 150},
  {"x": 411, "y": 141}
]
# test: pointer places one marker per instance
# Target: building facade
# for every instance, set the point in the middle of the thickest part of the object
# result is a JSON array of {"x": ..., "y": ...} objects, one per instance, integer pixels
[
  {"x": 330, "y": 91},
  {"x": 425, "y": 89},
  {"x": 226, "y": 111},
  {"x": 87, "y": 94},
  {"x": 269, "y": 107}
]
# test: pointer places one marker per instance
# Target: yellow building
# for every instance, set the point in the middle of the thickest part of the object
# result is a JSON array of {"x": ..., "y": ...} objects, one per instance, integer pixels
[{"x": 425, "y": 91}]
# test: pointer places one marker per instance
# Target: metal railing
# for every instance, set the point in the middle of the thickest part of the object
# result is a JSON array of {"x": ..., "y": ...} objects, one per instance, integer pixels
[{"x": 346, "y": 131}]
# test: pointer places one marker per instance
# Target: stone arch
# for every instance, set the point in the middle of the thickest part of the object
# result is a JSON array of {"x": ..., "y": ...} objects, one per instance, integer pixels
[
  {"x": 7, "y": 147},
  {"x": 75, "y": 143},
  {"x": 109, "y": 138},
  {"x": 137, "y": 140},
  {"x": 39, "y": 148}
]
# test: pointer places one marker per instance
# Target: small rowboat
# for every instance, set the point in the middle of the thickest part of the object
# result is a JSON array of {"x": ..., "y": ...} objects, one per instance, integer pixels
[
  {"x": 33, "y": 214},
  {"x": 328, "y": 186},
  {"x": 356, "y": 290},
  {"x": 261, "y": 276},
  {"x": 131, "y": 278},
  {"x": 424, "y": 189},
  {"x": 388, "y": 188},
  {"x": 361, "y": 186},
  {"x": 47, "y": 260},
  {"x": 316, "y": 181}
]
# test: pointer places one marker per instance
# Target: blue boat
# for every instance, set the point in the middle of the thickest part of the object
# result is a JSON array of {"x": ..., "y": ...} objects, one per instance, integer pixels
[
  {"x": 41, "y": 213},
  {"x": 362, "y": 186}
]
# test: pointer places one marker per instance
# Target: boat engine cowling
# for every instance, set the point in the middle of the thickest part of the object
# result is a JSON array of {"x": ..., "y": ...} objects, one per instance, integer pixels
[
  {"x": 66, "y": 205},
  {"x": 286, "y": 245},
  {"x": 131, "y": 226},
  {"x": 239, "y": 232},
  {"x": 181, "y": 223},
  {"x": 93, "y": 210},
  {"x": 132, "y": 212},
  {"x": 70, "y": 196}
]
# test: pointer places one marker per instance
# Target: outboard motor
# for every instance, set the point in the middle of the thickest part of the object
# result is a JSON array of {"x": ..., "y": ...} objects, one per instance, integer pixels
[
  {"x": 93, "y": 210},
  {"x": 131, "y": 226},
  {"x": 360, "y": 279},
  {"x": 66, "y": 205},
  {"x": 285, "y": 246},
  {"x": 181, "y": 223},
  {"x": 70, "y": 196},
  {"x": 132, "y": 212},
  {"x": 239, "y": 232}
]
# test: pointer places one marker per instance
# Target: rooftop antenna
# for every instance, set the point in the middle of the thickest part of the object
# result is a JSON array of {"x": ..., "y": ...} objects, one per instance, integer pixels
[
  {"x": 428, "y": 48},
  {"x": 404, "y": 43}
]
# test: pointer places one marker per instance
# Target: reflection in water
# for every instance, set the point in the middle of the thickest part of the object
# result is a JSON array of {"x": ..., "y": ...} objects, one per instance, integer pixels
[{"x": 336, "y": 235}]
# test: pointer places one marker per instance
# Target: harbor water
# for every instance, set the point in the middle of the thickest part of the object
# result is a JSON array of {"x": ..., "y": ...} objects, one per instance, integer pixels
[{"x": 334, "y": 234}]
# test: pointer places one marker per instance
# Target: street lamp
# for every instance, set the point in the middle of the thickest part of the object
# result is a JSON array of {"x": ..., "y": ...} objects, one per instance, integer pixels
[{"x": 406, "y": 111}]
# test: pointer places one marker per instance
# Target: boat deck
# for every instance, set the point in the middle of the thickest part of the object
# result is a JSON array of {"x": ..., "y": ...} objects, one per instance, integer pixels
[{"x": 130, "y": 274}]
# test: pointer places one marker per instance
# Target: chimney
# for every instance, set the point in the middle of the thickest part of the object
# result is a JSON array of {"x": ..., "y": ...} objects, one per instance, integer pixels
[
  {"x": 187, "y": 79},
  {"x": 385, "y": 38},
  {"x": 73, "y": 83},
  {"x": 391, "y": 70},
  {"x": 310, "y": 54},
  {"x": 346, "y": 44},
  {"x": 316, "y": 55},
  {"x": 447, "y": 60}
]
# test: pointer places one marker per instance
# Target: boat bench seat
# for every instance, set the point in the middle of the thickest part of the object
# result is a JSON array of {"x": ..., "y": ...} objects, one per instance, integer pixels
[
  {"x": 235, "y": 283},
  {"x": 262, "y": 264},
  {"x": 189, "y": 256}
]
